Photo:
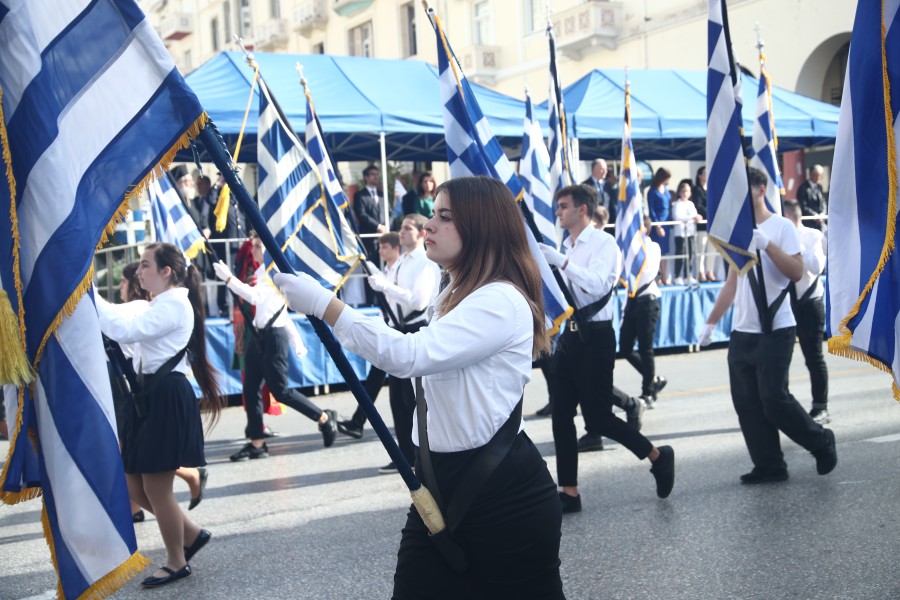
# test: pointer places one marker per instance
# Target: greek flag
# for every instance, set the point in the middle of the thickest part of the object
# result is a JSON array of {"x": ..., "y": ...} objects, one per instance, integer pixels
[
  {"x": 92, "y": 106},
  {"x": 765, "y": 143},
  {"x": 534, "y": 173},
  {"x": 863, "y": 284},
  {"x": 630, "y": 216},
  {"x": 560, "y": 169},
  {"x": 295, "y": 204},
  {"x": 728, "y": 193},
  {"x": 472, "y": 149},
  {"x": 171, "y": 220}
]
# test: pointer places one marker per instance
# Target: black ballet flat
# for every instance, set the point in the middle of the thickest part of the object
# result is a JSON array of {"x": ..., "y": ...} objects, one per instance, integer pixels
[
  {"x": 152, "y": 582},
  {"x": 204, "y": 476},
  {"x": 202, "y": 539}
]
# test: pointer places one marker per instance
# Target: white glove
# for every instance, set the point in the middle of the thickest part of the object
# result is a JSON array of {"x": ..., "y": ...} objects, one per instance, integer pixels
[
  {"x": 553, "y": 256},
  {"x": 378, "y": 281},
  {"x": 304, "y": 294},
  {"x": 760, "y": 239},
  {"x": 296, "y": 341},
  {"x": 222, "y": 271},
  {"x": 705, "y": 336}
]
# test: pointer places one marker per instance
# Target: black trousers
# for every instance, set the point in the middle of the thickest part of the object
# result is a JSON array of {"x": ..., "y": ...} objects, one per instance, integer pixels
[
  {"x": 373, "y": 384},
  {"x": 268, "y": 363},
  {"x": 758, "y": 372},
  {"x": 810, "y": 315},
  {"x": 510, "y": 534},
  {"x": 639, "y": 323},
  {"x": 583, "y": 374}
]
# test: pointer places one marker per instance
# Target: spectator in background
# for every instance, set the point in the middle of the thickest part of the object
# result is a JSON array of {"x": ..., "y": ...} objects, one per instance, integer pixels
[
  {"x": 607, "y": 197},
  {"x": 368, "y": 206},
  {"x": 659, "y": 201},
  {"x": 235, "y": 228},
  {"x": 706, "y": 256},
  {"x": 420, "y": 200},
  {"x": 684, "y": 211},
  {"x": 812, "y": 199}
]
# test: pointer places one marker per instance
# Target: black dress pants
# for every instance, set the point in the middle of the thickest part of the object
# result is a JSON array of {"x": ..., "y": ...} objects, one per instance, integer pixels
[
  {"x": 268, "y": 362},
  {"x": 639, "y": 323},
  {"x": 810, "y": 315},
  {"x": 758, "y": 372},
  {"x": 583, "y": 374}
]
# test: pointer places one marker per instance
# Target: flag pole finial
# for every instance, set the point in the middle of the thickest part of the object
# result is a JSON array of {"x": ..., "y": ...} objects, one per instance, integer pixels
[
  {"x": 248, "y": 56},
  {"x": 549, "y": 11},
  {"x": 627, "y": 81},
  {"x": 303, "y": 80},
  {"x": 760, "y": 44}
]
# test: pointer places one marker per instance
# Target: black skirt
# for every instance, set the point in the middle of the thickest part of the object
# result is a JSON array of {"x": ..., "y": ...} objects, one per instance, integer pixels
[{"x": 171, "y": 433}]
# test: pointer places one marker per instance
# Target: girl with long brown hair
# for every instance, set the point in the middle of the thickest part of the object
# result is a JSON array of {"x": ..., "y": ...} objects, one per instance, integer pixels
[
  {"x": 165, "y": 427},
  {"x": 474, "y": 359}
]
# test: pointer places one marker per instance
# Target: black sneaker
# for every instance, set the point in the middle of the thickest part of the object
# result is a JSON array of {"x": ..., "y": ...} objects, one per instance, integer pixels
[
  {"x": 350, "y": 428},
  {"x": 826, "y": 456},
  {"x": 634, "y": 413},
  {"x": 764, "y": 476},
  {"x": 658, "y": 384},
  {"x": 570, "y": 504},
  {"x": 590, "y": 442},
  {"x": 545, "y": 411},
  {"x": 820, "y": 416},
  {"x": 329, "y": 428},
  {"x": 664, "y": 471},
  {"x": 388, "y": 469},
  {"x": 267, "y": 432},
  {"x": 250, "y": 451}
]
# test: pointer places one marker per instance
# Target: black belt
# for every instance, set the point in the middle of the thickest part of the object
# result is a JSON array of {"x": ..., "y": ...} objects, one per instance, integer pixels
[{"x": 572, "y": 326}]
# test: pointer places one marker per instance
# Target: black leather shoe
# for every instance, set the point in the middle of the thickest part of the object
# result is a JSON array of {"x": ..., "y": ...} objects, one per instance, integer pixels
[
  {"x": 634, "y": 413},
  {"x": 590, "y": 442},
  {"x": 329, "y": 428},
  {"x": 826, "y": 456},
  {"x": 387, "y": 469},
  {"x": 267, "y": 432},
  {"x": 204, "y": 475},
  {"x": 664, "y": 471},
  {"x": 350, "y": 428},
  {"x": 570, "y": 504},
  {"x": 250, "y": 451},
  {"x": 764, "y": 476},
  {"x": 658, "y": 384},
  {"x": 545, "y": 411},
  {"x": 181, "y": 573},
  {"x": 202, "y": 538},
  {"x": 138, "y": 517},
  {"x": 820, "y": 416}
]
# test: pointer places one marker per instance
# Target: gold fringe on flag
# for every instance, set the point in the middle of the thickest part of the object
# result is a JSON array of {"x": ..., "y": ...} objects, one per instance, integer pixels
[
  {"x": 110, "y": 583},
  {"x": 221, "y": 210}
]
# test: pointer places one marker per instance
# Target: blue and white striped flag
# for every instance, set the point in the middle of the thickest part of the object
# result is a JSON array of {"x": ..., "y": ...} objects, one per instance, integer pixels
[
  {"x": 863, "y": 283},
  {"x": 472, "y": 149},
  {"x": 727, "y": 189},
  {"x": 171, "y": 220},
  {"x": 93, "y": 105},
  {"x": 630, "y": 234},
  {"x": 560, "y": 167},
  {"x": 765, "y": 143},
  {"x": 534, "y": 173},
  {"x": 294, "y": 202}
]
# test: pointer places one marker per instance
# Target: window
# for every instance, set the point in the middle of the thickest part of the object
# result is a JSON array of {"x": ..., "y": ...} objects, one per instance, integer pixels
[
  {"x": 408, "y": 29},
  {"x": 226, "y": 20},
  {"x": 275, "y": 9},
  {"x": 245, "y": 24},
  {"x": 535, "y": 15},
  {"x": 481, "y": 26},
  {"x": 214, "y": 33},
  {"x": 360, "y": 40},
  {"x": 319, "y": 48},
  {"x": 187, "y": 63}
]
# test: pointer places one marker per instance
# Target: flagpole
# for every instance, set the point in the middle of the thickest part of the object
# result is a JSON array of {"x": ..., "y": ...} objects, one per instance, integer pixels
[{"x": 215, "y": 145}]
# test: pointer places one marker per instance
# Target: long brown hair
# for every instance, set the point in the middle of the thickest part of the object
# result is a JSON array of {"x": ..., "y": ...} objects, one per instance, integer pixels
[
  {"x": 494, "y": 247},
  {"x": 167, "y": 255},
  {"x": 135, "y": 291}
]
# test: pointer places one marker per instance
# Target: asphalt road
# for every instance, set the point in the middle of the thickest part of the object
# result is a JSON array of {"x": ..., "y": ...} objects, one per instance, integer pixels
[{"x": 319, "y": 523}]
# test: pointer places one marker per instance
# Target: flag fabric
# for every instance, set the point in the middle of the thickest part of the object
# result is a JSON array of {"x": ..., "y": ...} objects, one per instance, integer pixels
[
  {"x": 83, "y": 138},
  {"x": 630, "y": 234},
  {"x": 765, "y": 143},
  {"x": 399, "y": 192},
  {"x": 560, "y": 167},
  {"x": 728, "y": 192},
  {"x": 863, "y": 284},
  {"x": 534, "y": 173},
  {"x": 171, "y": 220},
  {"x": 295, "y": 204},
  {"x": 472, "y": 149}
]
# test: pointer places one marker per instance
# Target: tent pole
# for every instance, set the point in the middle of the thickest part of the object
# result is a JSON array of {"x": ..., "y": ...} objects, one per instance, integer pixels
[{"x": 384, "y": 179}]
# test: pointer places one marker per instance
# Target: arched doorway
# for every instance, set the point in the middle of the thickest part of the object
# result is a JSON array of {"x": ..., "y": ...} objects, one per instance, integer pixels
[{"x": 822, "y": 75}]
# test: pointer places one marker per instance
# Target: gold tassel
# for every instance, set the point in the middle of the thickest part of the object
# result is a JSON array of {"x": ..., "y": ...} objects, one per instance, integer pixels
[
  {"x": 111, "y": 582},
  {"x": 14, "y": 367},
  {"x": 221, "y": 210}
]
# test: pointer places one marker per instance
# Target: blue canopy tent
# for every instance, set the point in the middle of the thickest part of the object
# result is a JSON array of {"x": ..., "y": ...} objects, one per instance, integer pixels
[
  {"x": 668, "y": 114},
  {"x": 357, "y": 99}
]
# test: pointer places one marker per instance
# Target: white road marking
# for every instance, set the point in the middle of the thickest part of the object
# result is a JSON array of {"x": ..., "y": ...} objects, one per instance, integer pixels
[{"x": 894, "y": 437}]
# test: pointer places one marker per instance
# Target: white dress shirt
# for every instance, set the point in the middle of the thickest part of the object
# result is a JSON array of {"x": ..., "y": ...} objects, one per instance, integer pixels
[
  {"x": 475, "y": 361},
  {"x": 414, "y": 281},
  {"x": 268, "y": 301},
  {"x": 595, "y": 262},
  {"x": 783, "y": 234},
  {"x": 156, "y": 334},
  {"x": 812, "y": 242},
  {"x": 653, "y": 254}
]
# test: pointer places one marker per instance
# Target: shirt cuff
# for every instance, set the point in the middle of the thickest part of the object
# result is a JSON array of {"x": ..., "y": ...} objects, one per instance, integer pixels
[{"x": 349, "y": 317}]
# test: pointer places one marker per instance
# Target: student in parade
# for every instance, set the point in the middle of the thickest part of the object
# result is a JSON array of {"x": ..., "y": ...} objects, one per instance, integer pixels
[
  {"x": 760, "y": 349},
  {"x": 169, "y": 339},
  {"x": 266, "y": 357},
  {"x": 586, "y": 352},
  {"x": 474, "y": 360}
]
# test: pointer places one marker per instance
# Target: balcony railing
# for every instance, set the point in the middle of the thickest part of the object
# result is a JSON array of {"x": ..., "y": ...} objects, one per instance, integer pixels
[
  {"x": 309, "y": 15},
  {"x": 480, "y": 63},
  {"x": 272, "y": 35},
  {"x": 346, "y": 8},
  {"x": 176, "y": 26},
  {"x": 587, "y": 27}
]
